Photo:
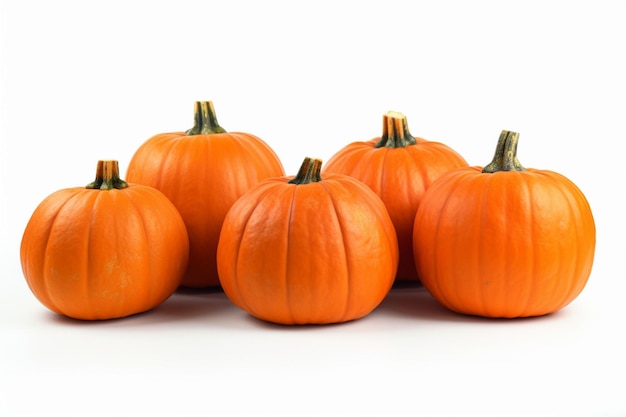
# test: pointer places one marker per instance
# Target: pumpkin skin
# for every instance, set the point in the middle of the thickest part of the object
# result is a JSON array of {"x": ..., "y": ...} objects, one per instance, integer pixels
[
  {"x": 398, "y": 168},
  {"x": 504, "y": 242},
  {"x": 308, "y": 252},
  {"x": 96, "y": 254},
  {"x": 203, "y": 171}
]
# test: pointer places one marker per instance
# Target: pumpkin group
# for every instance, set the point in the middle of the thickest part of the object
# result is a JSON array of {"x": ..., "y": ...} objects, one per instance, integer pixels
[
  {"x": 398, "y": 167},
  {"x": 203, "y": 171},
  {"x": 308, "y": 249},
  {"x": 107, "y": 250},
  {"x": 209, "y": 208},
  {"x": 503, "y": 240}
]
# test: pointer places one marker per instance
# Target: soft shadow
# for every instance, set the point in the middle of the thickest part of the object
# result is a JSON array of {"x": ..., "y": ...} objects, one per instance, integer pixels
[
  {"x": 191, "y": 303},
  {"x": 262, "y": 324},
  {"x": 405, "y": 301},
  {"x": 186, "y": 304},
  {"x": 413, "y": 301}
]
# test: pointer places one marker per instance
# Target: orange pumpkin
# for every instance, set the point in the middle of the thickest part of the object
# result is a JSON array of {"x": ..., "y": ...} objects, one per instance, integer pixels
[
  {"x": 399, "y": 168},
  {"x": 104, "y": 251},
  {"x": 308, "y": 250},
  {"x": 504, "y": 241},
  {"x": 203, "y": 171}
]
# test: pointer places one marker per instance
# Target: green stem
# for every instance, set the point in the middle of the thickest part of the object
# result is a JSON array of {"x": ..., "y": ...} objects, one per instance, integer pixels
[
  {"x": 205, "y": 120},
  {"x": 395, "y": 132},
  {"x": 505, "y": 158},
  {"x": 309, "y": 172},
  {"x": 107, "y": 177}
]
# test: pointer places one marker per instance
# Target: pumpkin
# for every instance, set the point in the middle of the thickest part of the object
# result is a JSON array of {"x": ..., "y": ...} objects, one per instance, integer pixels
[
  {"x": 203, "y": 171},
  {"x": 504, "y": 240},
  {"x": 398, "y": 167},
  {"x": 307, "y": 249},
  {"x": 104, "y": 251}
]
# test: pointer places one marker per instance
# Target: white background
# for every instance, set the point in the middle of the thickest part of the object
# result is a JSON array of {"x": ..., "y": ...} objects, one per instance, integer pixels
[{"x": 90, "y": 80}]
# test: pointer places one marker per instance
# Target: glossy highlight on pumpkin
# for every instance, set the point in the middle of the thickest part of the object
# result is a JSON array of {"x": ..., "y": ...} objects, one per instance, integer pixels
[
  {"x": 203, "y": 172},
  {"x": 107, "y": 250},
  {"x": 308, "y": 249},
  {"x": 504, "y": 240}
]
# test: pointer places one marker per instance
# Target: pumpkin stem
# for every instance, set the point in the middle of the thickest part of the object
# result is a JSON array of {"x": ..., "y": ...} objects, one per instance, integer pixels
[
  {"x": 107, "y": 177},
  {"x": 505, "y": 158},
  {"x": 205, "y": 120},
  {"x": 309, "y": 171},
  {"x": 395, "y": 131}
]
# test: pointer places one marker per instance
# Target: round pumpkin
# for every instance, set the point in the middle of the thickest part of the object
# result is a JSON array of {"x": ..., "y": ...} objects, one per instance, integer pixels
[
  {"x": 504, "y": 241},
  {"x": 107, "y": 250},
  {"x": 203, "y": 171},
  {"x": 307, "y": 249},
  {"x": 398, "y": 167}
]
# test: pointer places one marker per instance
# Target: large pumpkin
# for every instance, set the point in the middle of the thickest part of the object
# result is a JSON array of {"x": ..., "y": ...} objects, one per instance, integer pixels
[
  {"x": 203, "y": 171},
  {"x": 104, "y": 251},
  {"x": 308, "y": 250},
  {"x": 399, "y": 168},
  {"x": 504, "y": 241}
]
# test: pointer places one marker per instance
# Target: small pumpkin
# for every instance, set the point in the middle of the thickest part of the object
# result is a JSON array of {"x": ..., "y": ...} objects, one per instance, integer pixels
[
  {"x": 203, "y": 171},
  {"x": 104, "y": 251},
  {"x": 307, "y": 249},
  {"x": 504, "y": 240},
  {"x": 398, "y": 167}
]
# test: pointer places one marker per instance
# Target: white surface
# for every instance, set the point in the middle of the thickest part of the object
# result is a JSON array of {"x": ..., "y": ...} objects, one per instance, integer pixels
[{"x": 83, "y": 81}]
